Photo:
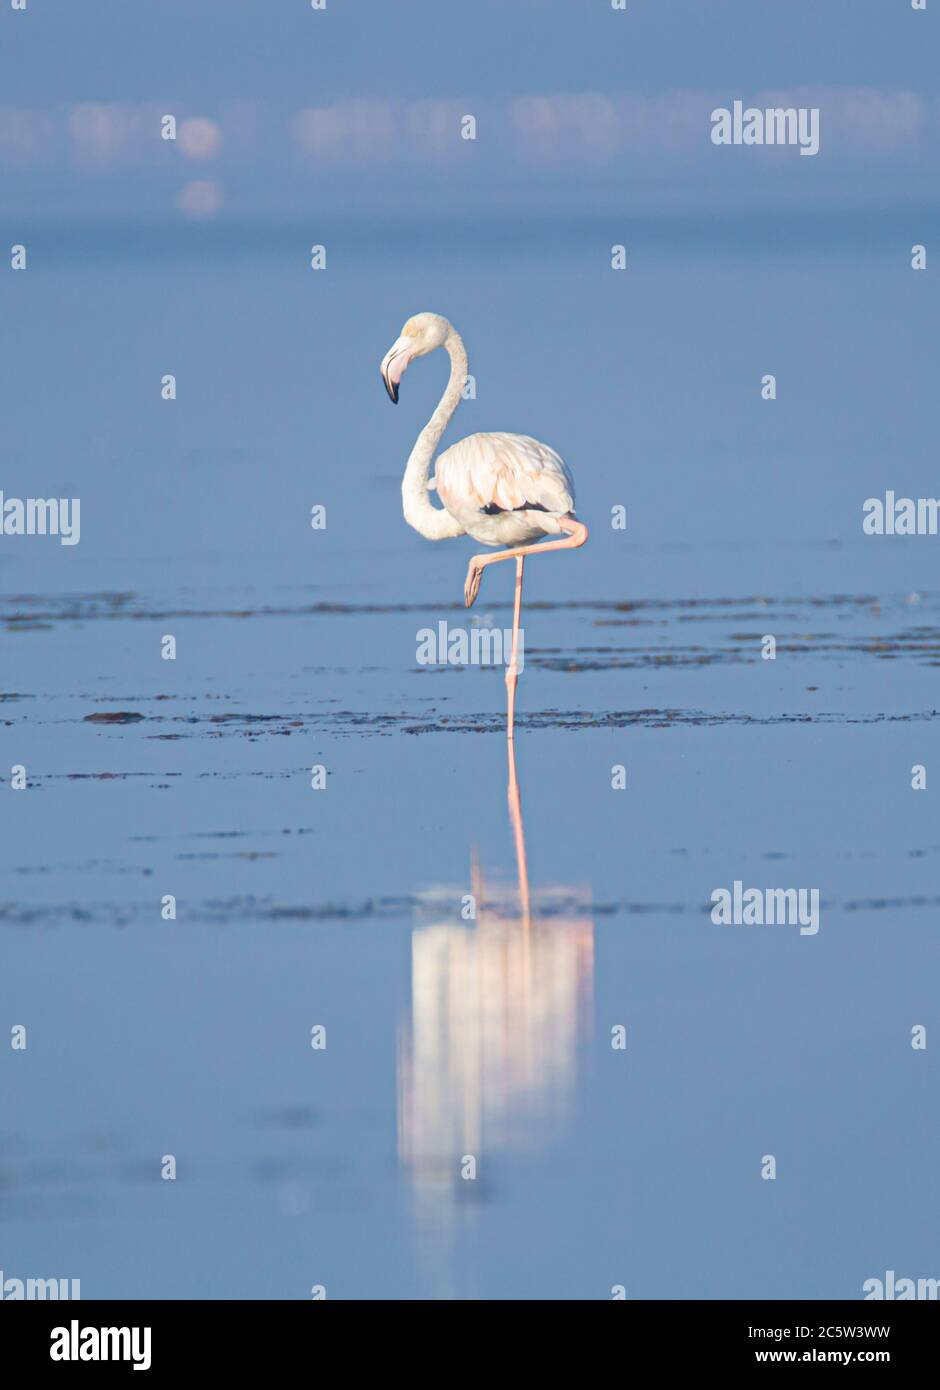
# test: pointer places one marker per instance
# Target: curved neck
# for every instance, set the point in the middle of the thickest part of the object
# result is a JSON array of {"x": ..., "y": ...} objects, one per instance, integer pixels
[{"x": 432, "y": 521}]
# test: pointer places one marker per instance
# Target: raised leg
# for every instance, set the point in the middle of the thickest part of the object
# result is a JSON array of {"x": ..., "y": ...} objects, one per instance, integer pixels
[
  {"x": 512, "y": 670},
  {"x": 576, "y": 533}
]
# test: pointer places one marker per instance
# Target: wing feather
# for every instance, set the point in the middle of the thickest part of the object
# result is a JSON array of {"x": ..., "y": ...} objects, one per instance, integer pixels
[{"x": 504, "y": 471}]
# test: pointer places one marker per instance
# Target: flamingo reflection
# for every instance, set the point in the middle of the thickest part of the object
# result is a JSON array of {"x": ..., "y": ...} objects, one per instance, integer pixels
[{"x": 487, "y": 1060}]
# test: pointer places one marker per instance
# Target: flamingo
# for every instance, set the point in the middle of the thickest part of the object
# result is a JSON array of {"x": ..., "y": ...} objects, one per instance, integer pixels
[{"x": 502, "y": 489}]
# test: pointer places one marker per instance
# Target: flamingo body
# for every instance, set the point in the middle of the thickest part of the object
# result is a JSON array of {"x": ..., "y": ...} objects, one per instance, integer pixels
[{"x": 504, "y": 489}]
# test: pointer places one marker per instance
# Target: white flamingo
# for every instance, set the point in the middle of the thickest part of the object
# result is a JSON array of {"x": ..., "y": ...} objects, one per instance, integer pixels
[{"x": 502, "y": 489}]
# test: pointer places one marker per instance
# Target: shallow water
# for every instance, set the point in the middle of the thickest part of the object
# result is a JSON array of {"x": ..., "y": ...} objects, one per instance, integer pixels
[{"x": 449, "y": 1037}]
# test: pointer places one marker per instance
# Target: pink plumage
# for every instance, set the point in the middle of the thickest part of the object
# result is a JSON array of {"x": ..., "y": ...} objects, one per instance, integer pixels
[{"x": 504, "y": 488}]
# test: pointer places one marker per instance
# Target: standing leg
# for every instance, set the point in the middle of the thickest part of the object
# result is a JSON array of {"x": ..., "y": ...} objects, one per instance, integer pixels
[{"x": 512, "y": 670}]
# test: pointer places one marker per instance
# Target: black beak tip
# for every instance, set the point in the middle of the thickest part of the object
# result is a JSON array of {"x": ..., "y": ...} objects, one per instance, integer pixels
[{"x": 392, "y": 391}]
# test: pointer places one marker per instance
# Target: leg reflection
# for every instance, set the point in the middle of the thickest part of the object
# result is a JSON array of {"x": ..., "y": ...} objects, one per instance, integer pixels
[{"x": 499, "y": 1004}]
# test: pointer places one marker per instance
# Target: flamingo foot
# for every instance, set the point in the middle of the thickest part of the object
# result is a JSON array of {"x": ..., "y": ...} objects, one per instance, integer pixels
[{"x": 472, "y": 586}]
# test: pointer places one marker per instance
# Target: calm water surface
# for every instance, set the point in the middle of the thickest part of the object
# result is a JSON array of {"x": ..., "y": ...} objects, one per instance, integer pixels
[{"x": 449, "y": 1037}]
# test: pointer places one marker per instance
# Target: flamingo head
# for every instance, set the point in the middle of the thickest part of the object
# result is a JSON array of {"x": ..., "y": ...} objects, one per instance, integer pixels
[{"x": 420, "y": 335}]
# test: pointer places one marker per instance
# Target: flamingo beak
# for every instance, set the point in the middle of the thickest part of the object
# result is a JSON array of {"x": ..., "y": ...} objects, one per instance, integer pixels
[{"x": 394, "y": 365}]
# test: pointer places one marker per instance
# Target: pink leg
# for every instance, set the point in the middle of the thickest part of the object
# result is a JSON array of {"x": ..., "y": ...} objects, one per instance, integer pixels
[
  {"x": 512, "y": 670},
  {"x": 515, "y": 816},
  {"x": 576, "y": 533}
]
